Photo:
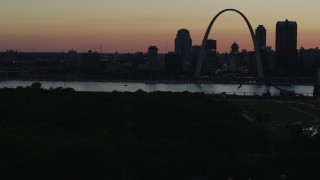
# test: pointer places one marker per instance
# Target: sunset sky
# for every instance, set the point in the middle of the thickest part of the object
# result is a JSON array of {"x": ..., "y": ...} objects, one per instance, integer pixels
[{"x": 133, "y": 25}]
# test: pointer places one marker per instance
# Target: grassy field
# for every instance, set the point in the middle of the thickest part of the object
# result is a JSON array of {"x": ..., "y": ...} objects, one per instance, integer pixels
[
  {"x": 307, "y": 109},
  {"x": 275, "y": 112},
  {"x": 273, "y": 116}
]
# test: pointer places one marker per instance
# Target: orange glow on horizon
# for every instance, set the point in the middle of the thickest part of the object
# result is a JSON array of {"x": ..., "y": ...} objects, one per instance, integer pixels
[
  {"x": 128, "y": 26},
  {"x": 134, "y": 41}
]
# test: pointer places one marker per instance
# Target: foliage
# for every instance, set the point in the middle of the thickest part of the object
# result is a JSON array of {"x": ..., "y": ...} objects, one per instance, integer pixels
[{"x": 62, "y": 134}]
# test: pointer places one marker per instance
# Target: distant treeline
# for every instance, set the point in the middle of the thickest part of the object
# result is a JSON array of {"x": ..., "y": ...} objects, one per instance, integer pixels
[{"x": 63, "y": 134}]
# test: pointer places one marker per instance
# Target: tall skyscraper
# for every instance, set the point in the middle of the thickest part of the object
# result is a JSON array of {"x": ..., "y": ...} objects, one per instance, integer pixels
[
  {"x": 210, "y": 57},
  {"x": 286, "y": 35},
  {"x": 286, "y": 47},
  {"x": 183, "y": 46},
  {"x": 261, "y": 36}
]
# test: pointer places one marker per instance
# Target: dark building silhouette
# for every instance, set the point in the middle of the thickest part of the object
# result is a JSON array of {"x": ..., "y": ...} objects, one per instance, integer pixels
[
  {"x": 172, "y": 63},
  {"x": 286, "y": 47},
  {"x": 310, "y": 59},
  {"x": 152, "y": 53},
  {"x": 73, "y": 55},
  {"x": 211, "y": 45},
  {"x": 11, "y": 55},
  {"x": 90, "y": 60},
  {"x": 183, "y": 45},
  {"x": 154, "y": 64},
  {"x": 195, "y": 54},
  {"x": 286, "y": 35},
  {"x": 234, "y": 49},
  {"x": 210, "y": 57},
  {"x": 8, "y": 58},
  {"x": 261, "y": 36},
  {"x": 265, "y": 51}
]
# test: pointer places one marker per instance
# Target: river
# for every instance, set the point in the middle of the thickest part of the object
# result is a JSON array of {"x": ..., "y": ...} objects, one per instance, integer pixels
[{"x": 134, "y": 86}]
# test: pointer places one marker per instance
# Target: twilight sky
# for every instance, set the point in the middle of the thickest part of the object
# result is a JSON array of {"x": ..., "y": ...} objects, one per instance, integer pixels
[{"x": 133, "y": 25}]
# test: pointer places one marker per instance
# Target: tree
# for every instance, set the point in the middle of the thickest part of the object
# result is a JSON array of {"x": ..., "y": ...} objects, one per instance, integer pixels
[{"x": 36, "y": 85}]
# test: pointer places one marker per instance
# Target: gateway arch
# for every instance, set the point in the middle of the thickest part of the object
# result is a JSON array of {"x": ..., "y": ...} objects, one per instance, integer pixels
[{"x": 204, "y": 43}]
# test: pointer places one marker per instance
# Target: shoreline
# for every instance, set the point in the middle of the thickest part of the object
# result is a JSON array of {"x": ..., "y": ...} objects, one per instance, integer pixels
[{"x": 150, "y": 82}]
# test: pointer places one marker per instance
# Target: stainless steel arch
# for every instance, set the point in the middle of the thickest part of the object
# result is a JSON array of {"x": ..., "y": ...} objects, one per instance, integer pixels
[{"x": 204, "y": 42}]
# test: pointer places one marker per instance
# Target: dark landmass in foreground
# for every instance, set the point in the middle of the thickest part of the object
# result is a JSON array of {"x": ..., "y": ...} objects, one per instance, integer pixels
[{"x": 62, "y": 134}]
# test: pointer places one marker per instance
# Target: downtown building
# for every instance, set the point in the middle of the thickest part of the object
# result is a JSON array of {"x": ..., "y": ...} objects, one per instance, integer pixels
[
  {"x": 183, "y": 47},
  {"x": 287, "y": 57},
  {"x": 210, "y": 62},
  {"x": 153, "y": 59},
  {"x": 261, "y": 36},
  {"x": 266, "y": 54}
]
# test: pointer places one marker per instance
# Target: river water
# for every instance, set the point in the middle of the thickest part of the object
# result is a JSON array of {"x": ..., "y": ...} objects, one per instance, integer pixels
[{"x": 133, "y": 86}]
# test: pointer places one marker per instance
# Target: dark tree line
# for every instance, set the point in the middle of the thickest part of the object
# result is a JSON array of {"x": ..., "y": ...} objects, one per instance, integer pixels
[{"x": 62, "y": 134}]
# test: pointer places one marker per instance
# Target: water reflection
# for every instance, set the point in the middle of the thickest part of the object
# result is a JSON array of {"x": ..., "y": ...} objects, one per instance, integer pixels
[{"x": 132, "y": 87}]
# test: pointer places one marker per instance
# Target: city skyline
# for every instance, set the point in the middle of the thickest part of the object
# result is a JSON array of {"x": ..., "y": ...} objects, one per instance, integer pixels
[{"x": 134, "y": 26}]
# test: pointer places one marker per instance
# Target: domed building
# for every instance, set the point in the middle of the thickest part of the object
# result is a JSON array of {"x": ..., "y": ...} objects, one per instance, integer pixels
[
  {"x": 183, "y": 46},
  {"x": 234, "y": 48}
]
